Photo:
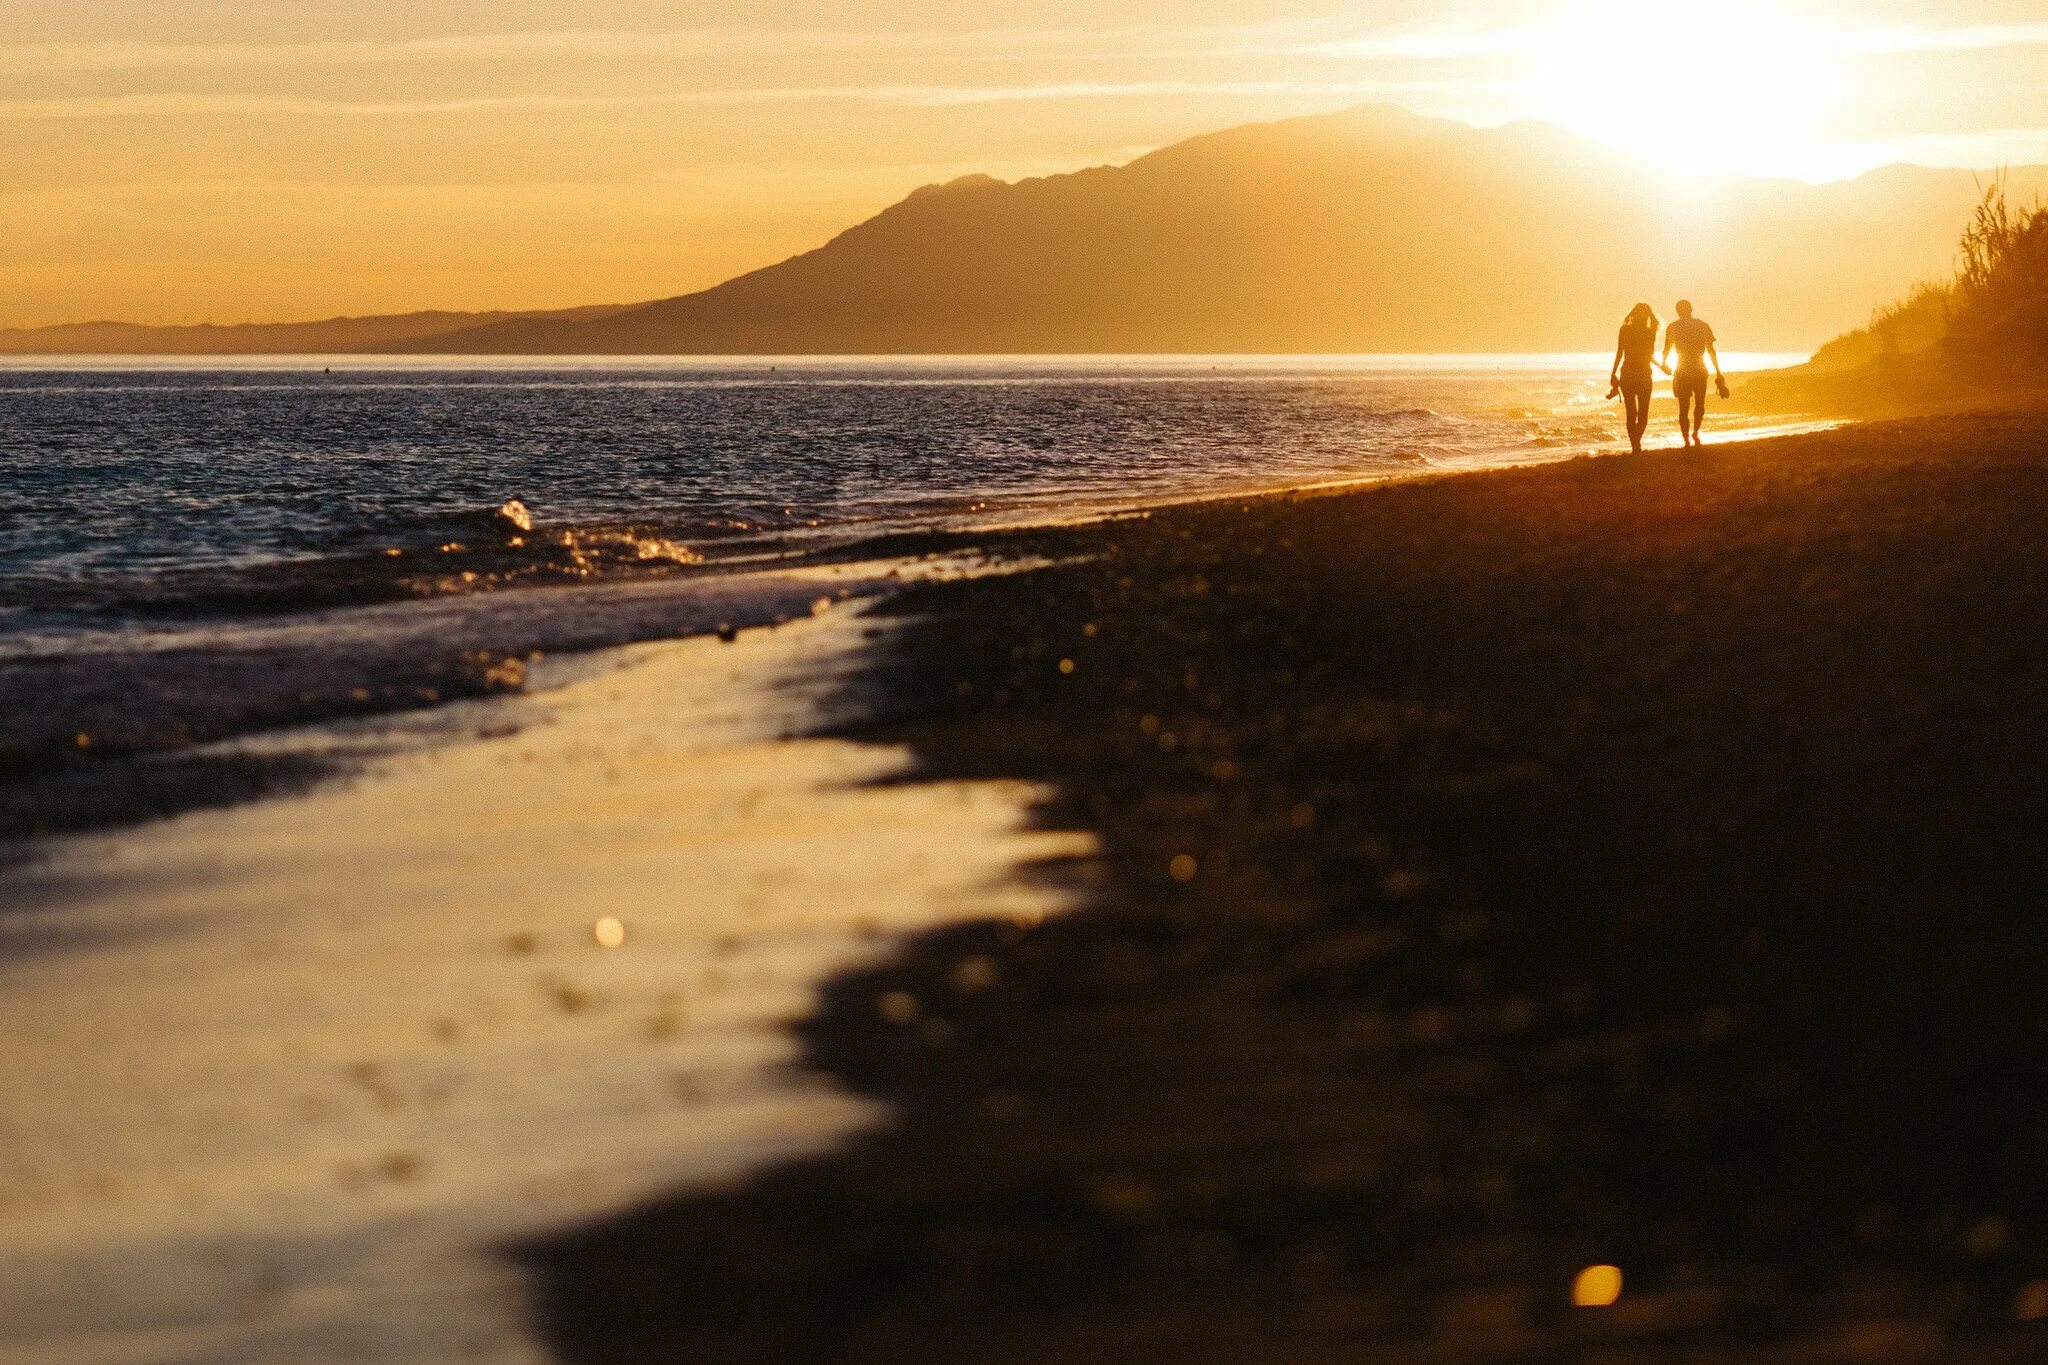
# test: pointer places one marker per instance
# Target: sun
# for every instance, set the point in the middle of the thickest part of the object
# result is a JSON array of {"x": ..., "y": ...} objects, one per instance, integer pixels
[{"x": 1734, "y": 87}]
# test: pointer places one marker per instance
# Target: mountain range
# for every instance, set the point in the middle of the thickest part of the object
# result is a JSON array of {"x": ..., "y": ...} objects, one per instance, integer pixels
[{"x": 1369, "y": 230}]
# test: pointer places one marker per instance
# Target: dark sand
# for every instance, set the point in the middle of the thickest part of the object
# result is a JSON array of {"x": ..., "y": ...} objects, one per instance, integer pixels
[{"x": 1634, "y": 860}]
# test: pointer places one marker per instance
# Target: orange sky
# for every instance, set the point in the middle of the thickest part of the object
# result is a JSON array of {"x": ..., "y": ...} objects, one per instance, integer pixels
[{"x": 190, "y": 160}]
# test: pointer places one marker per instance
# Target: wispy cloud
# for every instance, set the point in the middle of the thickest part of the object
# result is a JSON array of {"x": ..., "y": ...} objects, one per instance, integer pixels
[
  {"x": 1434, "y": 43},
  {"x": 629, "y": 44},
  {"x": 1960, "y": 38},
  {"x": 1332, "y": 37},
  {"x": 913, "y": 96},
  {"x": 1464, "y": 41}
]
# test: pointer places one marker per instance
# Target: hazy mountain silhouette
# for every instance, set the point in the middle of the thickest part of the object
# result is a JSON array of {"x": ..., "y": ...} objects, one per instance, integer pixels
[
  {"x": 1368, "y": 230},
  {"x": 330, "y": 336}
]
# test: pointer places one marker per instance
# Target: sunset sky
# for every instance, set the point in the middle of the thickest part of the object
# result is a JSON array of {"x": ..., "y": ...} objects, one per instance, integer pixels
[{"x": 189, "y": 160}]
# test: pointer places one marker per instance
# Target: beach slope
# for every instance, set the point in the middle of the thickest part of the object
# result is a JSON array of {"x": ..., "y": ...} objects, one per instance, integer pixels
[{"x": 1631, "y": 861}]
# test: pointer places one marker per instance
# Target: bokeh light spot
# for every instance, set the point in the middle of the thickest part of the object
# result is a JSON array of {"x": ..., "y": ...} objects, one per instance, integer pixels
[{"x": 1597, "y": 1286}]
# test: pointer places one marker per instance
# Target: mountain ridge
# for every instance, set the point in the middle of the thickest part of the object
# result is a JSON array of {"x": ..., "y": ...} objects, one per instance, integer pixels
[
  {"x": 1369, "y": 229},
  {"x": 341, "y": 335},
  {"x": 1180, "y": 250}
]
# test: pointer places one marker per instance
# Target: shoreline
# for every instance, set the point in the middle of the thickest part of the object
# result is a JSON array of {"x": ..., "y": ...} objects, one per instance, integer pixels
[
  {"x": 280, "y": 1074},
  {"x": 1626, "y": 860},
  {"x": 1196, "y": 1102},
  {"x": 149, "y": 732},
  {"x": 229, "y": 729}
]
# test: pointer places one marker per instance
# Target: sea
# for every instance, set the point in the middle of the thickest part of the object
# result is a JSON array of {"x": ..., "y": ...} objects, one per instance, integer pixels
[{"x": 195, "y": 550}]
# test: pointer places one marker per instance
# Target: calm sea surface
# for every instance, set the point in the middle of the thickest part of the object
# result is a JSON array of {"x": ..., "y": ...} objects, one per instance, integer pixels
[{"x": 191, "y": 549}]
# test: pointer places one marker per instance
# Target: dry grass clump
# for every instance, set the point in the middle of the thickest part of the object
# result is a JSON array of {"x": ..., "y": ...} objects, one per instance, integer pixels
[{"x": 1998, "y": 307}]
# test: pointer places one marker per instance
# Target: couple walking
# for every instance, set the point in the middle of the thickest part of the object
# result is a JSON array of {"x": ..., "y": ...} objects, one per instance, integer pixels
[{"x": 1637, "y": 351}]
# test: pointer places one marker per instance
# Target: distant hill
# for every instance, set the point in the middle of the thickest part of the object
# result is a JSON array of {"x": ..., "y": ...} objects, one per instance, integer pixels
[
  {"x": 1368, "y": 230},
  {"x": 332, "y": 336}
]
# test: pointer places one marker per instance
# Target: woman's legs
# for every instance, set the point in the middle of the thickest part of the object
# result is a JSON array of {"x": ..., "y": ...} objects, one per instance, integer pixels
[{"x": 1638, "y": 403}]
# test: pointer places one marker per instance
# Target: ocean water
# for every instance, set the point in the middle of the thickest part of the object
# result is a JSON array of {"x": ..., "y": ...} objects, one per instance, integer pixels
[{"x": 191, "y": 550}]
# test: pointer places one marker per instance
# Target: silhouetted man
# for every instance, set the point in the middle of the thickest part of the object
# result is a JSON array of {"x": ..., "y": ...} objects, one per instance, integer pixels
[{"x": 1694, "y": 342}]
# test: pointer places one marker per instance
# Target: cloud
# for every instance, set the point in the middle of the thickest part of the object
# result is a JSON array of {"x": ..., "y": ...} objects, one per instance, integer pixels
[
  {"x": 47, "y": 59},
  {"x": 1468, "y": 41},
  {"x": 909, "y": 96},
  {"x": 1450, "y": 42},
  {"x": 1328, "y": 38},
  {"x": 1962, "y": 38}
]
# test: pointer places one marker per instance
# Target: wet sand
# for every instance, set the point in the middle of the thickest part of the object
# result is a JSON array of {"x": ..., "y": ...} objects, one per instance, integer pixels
[
  {"x": 1634, "y": 860},
  {"x": 279, "y": 1078}
]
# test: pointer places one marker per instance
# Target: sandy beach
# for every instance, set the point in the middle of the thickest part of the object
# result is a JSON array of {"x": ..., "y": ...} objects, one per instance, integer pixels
[
  {"x": 1631, "y": 862},
  {"x": 1314, "y": 927},
  {"x": 282, "y": 1077}
]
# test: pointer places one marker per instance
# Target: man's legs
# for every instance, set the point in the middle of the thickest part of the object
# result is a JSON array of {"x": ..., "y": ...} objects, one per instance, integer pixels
[{"x": 1692, "y": 407}]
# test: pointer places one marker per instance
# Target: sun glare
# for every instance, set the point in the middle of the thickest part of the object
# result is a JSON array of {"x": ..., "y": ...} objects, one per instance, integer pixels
[{"x": 1737, "y": 87}]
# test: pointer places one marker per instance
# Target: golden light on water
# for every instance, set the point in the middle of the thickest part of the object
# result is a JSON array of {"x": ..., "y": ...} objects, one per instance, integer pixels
[{"x": 1597, "y": 1286}]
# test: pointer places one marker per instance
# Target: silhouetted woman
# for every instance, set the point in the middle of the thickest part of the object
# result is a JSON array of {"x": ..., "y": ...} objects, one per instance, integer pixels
[{"x": 1634, "y": 355}]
